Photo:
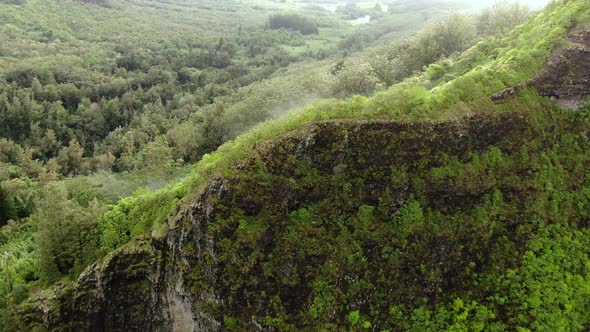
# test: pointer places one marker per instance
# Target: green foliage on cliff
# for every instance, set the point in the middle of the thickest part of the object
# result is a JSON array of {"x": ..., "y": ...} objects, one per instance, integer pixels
[
  {"x": 503, "y": 248},
  {"x": 493, "y": 238},
  {"x": 135, "y": 215},
  {"x": 482, "y": 74},
  {"x": 519, "y": 240}
]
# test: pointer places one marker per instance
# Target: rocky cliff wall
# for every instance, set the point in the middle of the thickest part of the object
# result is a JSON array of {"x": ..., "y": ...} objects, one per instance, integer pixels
[
  {"x": 565, "y": 77},
  {"x": 182, "y": 282}
]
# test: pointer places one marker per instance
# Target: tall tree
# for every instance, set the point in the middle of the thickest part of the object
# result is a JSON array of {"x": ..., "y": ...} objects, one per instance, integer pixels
[
  {"x": 7, "y": 210},
  {"x": 67, "y": 234}
]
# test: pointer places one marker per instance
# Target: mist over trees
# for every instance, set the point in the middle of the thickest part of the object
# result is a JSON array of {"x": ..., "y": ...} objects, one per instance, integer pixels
[{"x": 99, "y": 111}]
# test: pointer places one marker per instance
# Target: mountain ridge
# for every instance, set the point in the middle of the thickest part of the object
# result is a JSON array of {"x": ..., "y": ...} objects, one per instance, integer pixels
[{"x": 422, "y": 219}]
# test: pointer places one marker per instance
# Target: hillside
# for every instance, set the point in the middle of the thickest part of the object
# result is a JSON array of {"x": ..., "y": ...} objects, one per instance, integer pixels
[
  {"x": 454, "y": 197},
  {"x": 345, "y": 223},
  {"x": 104, "y": 102}
]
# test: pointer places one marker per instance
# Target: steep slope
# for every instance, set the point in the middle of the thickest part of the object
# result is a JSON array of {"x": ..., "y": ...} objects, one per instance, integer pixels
[
  {"x": 566, "y": 75},
  {"x": 374, "y": 217},
  {"x": 346, "y": 217}
]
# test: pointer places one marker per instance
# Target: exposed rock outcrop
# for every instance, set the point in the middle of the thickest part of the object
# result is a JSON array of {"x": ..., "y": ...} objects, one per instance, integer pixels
[
  {"x": 177, "y": 283},
  {"x": 230, "y": 251},
  {"x": 565, "y": 77},
  {"x": 119, "y": 293}
]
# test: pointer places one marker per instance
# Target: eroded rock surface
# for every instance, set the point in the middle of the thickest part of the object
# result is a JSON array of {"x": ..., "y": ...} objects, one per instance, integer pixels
[
  {"x": 179, "y": 283},
  {"x": 565, "y": 78},
  {"x": 229, "y": 251}
]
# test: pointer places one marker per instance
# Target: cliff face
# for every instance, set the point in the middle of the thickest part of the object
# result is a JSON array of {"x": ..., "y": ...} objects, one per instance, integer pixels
[
  {"x": 566, "y": 75},
  {"x": 119, "y": 293},
  {"x": 343, "y": 218},
  {"x": 210, "y": 267},
  {"x": 348, "y": 216}
]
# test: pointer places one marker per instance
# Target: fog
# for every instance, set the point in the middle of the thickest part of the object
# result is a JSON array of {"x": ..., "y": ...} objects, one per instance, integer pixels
[
  {"x": 530, "y": 3},
  {"x": 472, "y": 3}
]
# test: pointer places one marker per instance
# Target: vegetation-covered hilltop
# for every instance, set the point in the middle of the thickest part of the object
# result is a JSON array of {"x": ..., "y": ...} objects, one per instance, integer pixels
[{"x": 428, "y": 206}]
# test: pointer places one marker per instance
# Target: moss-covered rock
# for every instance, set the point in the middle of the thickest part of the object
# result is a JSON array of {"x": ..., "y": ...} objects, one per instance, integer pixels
[
  {"x": 565, "y": 77},
  {"x": 351, "y": 224},
  {"x": 116, "y": 294}
]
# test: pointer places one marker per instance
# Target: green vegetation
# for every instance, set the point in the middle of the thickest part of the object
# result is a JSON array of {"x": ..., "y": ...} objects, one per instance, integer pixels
[
  {"x": 294, "y": 22},
  {"x": 66, "y": 234},
  {"x": 433, "y": 264},
  {"x": 81, "y": 130},
  {"x": 6, "y": 208},
  {"x": 516, "y": 248}
]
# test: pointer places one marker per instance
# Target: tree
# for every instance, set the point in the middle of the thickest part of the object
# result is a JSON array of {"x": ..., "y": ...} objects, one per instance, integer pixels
[
  {"x": 92, "y": 124},
  {"x": 293, "y": 22},
  {"x": 7, "y": 210},
  {"x": 67, "y": 235},
  {"x": 70, "y": 96},
  {"x": 350, "y": 10},
  {"x": 70, "y": 159},
  {"x": 105, "y": 162},
  {"x": 157, "y": 153},
  {"x": 455, "y": 34},
  {"x": 501, "y": 16},
  {"x": 355, "y": 77},
  {"x": 213, "y": 127},
  {"x": 10, "y": 152},
  {"x": 186, "y": 141}
]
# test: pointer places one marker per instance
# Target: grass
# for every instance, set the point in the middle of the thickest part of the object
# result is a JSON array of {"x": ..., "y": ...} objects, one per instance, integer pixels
[{"x": 408, "y": 101}]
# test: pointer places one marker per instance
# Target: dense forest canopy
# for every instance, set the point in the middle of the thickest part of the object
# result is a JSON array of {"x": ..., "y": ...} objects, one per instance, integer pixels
[{"x": 105, "y": 102}]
